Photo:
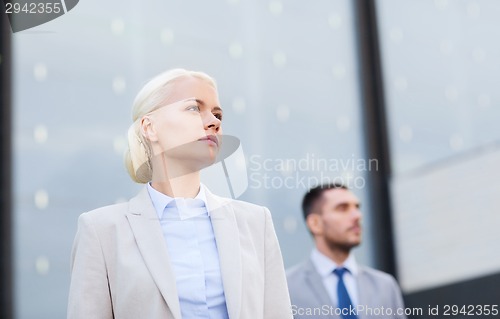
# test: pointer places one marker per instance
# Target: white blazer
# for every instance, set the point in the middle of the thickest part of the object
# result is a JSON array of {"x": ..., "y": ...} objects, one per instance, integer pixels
[{"x": 120, "y": 266}]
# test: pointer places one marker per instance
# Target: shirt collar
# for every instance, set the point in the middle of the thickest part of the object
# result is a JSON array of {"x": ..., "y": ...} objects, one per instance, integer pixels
[
  {"x": 325, "y": 266},
  {"x": 187, "y": 207}
]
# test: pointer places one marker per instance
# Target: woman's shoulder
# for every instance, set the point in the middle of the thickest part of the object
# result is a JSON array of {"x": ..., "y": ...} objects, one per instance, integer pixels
[
  {"x": 223, "y": 201},
  {"x": 242, "y": 209},
  {"x": 106, "y": 214},
  {"x": 139, "y": 203},
  {"x": 234, "y": 203},
  {"x": 245, "y": 205}
]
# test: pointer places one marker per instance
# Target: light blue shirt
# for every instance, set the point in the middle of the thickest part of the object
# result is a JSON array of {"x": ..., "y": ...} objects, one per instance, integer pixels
[
  {"x": 187, "y": 230},
  {"x": 325, "y": 267}
]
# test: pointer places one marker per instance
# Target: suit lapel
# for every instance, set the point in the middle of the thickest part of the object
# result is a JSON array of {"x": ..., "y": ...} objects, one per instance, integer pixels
[
  {"x": 227, "y": 238},
  {"x": 316, "y": 285},
  {"x": 365, "y": 293},
  {"x": 149, "y": 237}
]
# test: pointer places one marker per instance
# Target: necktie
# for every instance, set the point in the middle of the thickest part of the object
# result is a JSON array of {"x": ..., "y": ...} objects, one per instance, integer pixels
[{"x": 345, "y": 303}]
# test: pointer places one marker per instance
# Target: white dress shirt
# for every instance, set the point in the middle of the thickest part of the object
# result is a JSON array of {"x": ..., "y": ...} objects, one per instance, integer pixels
[
  {"x": 325, "y": 267},
  {"x": 187, "y": 230}
]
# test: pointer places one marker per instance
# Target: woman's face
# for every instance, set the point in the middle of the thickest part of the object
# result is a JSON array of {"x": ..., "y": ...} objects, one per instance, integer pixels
[{"x": 188, "y": 128}]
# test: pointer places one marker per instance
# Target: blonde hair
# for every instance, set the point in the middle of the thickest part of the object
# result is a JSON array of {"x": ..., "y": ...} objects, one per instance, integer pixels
[{"x": 151, "y": 96}]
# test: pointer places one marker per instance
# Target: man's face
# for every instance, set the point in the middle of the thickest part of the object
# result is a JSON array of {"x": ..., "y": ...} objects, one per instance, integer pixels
[{"x": 339, "y": 220}]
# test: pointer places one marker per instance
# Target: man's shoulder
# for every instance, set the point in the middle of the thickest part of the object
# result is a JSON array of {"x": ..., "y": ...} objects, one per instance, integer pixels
[
  {"x": 379, "y": 288},
  {"x": 299, "y": 271},
  {"x": 372, "y": 274}
]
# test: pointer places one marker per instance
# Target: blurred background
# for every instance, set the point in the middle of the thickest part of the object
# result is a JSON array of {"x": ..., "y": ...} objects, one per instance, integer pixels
[{"x": 398, "y": 99}]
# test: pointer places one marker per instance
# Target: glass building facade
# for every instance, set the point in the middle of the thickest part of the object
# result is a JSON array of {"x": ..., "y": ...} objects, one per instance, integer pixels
[{"x": 290, "y": 83}]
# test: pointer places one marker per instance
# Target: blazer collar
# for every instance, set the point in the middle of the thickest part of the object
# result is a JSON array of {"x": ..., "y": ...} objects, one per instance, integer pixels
[{"x": 143, "y": 220}]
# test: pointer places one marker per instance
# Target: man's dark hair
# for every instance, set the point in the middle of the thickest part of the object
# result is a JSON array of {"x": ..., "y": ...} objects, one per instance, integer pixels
[{"x": 313, "y": 196}]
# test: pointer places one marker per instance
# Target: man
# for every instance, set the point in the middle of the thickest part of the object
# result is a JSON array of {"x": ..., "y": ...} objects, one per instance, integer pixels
[{"x": 330, "y": 284}]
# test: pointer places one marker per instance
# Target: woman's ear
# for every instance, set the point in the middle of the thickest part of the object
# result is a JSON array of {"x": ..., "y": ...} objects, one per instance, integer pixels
[
  {"x": 314, "y": 223},
  {"x": 148, "y": 130}
]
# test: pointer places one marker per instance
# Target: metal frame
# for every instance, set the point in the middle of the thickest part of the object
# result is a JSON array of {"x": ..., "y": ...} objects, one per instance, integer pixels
[
  {"x": 6, "y": 273},
  {"x": 375, "y": 133}
]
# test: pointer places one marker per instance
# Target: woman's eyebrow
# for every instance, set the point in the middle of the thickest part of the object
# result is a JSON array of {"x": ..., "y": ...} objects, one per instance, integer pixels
[{"x": 215, "y": 108}]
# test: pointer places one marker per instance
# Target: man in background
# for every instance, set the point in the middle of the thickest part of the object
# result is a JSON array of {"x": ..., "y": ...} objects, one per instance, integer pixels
[{"x": 330, "y": 284}]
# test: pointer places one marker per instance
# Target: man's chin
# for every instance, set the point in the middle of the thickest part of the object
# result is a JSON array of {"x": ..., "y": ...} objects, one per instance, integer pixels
[
  {"x": 356, "y": 242},
  {"x": 344, "y": 246}
]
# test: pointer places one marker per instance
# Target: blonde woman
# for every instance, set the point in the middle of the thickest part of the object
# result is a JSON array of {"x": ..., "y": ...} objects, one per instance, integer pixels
[{"x": 176, "y": 250}]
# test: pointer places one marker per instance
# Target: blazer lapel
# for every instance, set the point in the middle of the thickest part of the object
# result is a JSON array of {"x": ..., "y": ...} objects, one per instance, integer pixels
[
  {"x": 148, "y": 234},
  {"x": 228, "y": 245}
]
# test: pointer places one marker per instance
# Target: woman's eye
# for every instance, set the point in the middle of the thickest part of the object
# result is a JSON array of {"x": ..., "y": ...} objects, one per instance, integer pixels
[
  {"x": 193, "y": 108},
  {"x": 218, "y": 116}
]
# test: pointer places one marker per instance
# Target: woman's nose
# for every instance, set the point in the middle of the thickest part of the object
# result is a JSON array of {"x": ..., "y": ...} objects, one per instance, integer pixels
[{"x": 212, "y": 122}]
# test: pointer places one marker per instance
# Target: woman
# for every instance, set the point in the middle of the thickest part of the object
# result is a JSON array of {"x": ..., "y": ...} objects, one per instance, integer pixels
[{"x": 176, "y": 250}]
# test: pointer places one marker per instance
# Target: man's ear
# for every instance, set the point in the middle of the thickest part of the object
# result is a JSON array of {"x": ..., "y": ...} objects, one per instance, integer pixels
[
  {"x": 315, "y": 223},
  {"x": 148, "y": 130}
]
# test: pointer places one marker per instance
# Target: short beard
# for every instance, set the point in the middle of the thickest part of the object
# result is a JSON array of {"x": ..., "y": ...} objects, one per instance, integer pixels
[{"x": 343, "y": 247}]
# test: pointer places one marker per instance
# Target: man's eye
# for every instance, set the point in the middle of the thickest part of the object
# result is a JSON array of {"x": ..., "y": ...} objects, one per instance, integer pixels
[{"x": 342, "y": 207}]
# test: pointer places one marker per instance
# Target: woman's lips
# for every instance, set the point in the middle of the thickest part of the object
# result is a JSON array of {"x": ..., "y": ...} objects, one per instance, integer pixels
[{"x": 211, "y": 139}]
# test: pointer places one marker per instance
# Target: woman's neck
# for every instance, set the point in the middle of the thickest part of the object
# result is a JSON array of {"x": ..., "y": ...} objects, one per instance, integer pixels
[
  {"x": 176, "y": 181},
  {"x": 187, "y": 186}
]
